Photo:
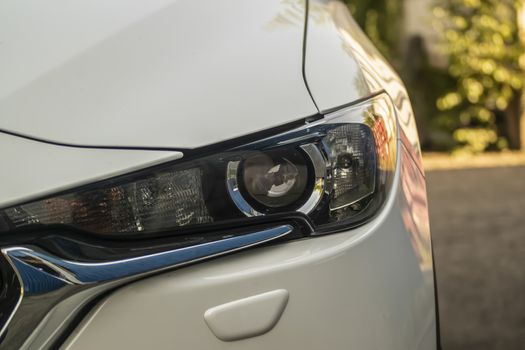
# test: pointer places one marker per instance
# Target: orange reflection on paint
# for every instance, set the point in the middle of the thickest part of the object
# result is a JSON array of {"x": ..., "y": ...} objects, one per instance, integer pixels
[{"x": 415, "y": 209}]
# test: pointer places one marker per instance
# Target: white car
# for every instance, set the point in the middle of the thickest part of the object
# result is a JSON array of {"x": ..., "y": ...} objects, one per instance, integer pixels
[{"x": 180, "y": 174}]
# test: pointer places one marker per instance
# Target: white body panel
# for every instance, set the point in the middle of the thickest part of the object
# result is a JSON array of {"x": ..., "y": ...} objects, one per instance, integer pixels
[
  {"x": 333, "y": 74},
  {"x": 31, "y": 169},
  {"x": 178, "y": 73}
]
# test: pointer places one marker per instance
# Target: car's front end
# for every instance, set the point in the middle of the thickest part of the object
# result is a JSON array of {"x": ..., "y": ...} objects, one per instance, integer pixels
[{"x": 233, "y": 175}]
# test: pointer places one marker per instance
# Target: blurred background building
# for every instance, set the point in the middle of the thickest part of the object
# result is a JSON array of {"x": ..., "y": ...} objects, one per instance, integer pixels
[{"x": 417, "y": 16}]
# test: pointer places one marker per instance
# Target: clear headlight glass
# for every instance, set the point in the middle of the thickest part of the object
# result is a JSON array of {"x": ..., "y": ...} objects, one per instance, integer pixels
[{"x": 336, "y": 172}]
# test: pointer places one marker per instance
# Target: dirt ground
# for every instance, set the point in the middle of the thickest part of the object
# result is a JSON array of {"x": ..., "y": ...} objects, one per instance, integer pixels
[{"x": 478, "y": 225}]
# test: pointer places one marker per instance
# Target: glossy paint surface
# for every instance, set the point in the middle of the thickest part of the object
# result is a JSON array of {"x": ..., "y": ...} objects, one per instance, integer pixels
[
  {"x": 31, "y": 169},
  {"x": 160, "y": 73},
  {"x": 333, "y": 74},
  {"x": 248, "y": 317},
  {"x": 365, "y": 289}
]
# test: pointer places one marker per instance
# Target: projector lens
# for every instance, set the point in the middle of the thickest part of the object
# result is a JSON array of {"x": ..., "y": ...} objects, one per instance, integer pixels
[{"x": 275, "y": 179}]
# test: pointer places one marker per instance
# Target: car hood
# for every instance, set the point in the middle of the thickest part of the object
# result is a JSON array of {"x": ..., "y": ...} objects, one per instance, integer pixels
[{"x": 157, "y": 73}]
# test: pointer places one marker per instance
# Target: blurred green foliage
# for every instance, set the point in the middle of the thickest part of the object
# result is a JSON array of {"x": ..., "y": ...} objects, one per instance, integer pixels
[
  {"x": 473, "y": 104},
  {"x": 482, "y": 42}
]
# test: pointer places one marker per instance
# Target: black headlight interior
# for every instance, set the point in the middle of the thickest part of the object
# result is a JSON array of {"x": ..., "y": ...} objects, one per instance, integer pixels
[{"x": 336, "y": 171}]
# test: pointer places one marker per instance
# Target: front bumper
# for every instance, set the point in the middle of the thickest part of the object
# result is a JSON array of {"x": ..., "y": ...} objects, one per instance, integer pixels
[{"x": 368, "y": 288}]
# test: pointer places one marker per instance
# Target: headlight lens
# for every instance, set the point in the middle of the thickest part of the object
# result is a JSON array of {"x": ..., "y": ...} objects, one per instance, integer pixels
[
  {"x": 275, "y": 179},
  {"x": 335, "y": 171}
]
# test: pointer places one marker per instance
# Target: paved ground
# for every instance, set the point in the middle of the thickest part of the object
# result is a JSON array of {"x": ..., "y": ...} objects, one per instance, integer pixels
[{"x": 478, "y": 226}]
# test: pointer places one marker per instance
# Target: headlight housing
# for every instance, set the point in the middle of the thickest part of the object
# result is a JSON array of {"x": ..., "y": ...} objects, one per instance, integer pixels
[
  {"x": 335, "y": 171},
  {"x": 61, "y": 252}
]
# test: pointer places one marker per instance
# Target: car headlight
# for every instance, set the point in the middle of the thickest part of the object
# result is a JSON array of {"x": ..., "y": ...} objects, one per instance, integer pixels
[
  {"x": 336, "y": 171},
  {"x": 60, "y": 252}
]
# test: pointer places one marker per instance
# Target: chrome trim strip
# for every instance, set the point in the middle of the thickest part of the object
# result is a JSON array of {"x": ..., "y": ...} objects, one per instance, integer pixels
[
  {"x": 319, "y": 164},
  {"x": 50, "y": 283},
  {"x": 234, "y": 192}
]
